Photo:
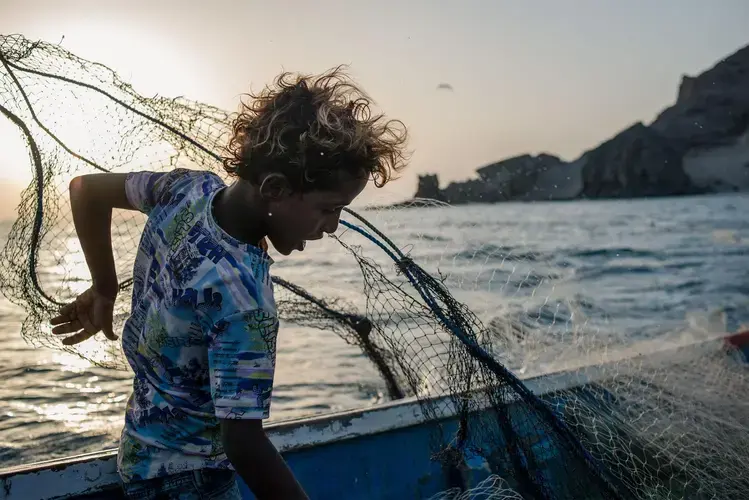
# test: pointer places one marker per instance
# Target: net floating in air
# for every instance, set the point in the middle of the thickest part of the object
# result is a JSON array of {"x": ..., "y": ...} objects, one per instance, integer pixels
[{"x": 659, "y": 427}]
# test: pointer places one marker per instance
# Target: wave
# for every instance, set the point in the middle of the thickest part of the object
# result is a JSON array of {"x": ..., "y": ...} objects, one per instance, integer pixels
[
  {"x": 596, "y": 272},
  {"x": 500, "y": 253},
  {"x": 619, "y": 252}
]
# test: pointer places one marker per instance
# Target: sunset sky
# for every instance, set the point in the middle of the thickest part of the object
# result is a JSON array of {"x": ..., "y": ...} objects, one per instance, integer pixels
[{"x": 528, "y": 76}]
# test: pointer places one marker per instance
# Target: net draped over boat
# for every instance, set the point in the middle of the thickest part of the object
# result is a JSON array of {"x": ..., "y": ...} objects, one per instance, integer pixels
[{"x": 655, "y": 427}]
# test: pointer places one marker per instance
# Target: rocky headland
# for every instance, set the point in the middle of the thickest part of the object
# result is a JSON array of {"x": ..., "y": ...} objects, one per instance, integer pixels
[{"x": 700, "y": 144}]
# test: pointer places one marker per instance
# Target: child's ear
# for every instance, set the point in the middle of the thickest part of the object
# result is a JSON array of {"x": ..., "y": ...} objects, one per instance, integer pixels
[{"x": 274, "y": 186}]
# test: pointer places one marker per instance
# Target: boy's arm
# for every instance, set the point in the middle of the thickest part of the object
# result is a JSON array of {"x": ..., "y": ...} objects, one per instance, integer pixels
[
  {"x": 258, "y": 462},
  {"x": 92, "y": 198}
]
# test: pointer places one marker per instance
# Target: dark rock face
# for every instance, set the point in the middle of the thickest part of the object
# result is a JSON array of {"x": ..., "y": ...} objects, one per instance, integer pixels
[
  {"x": 428, "y": 187},
  {"x": 472, "y": 191},
  {"x": 515, "y": 178},
  {"x": 711, "y": 112},
  {"x": 501, "y": 181},
  {"x": 511, "y": 167},
  {"x": 712, "y": 109},
  {"x": 637, "y": 162}
]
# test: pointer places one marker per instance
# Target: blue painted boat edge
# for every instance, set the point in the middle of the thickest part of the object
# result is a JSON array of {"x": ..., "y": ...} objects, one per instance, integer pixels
[
  {"x": 96, "y": 472},
  {"x": 89, "y": 473}
]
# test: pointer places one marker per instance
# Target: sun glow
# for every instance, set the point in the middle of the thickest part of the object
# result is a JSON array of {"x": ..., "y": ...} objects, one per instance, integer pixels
[{"x": 151, "y": 62}]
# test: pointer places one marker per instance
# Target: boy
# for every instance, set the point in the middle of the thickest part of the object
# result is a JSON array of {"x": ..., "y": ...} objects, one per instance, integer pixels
[{"x": 202, "y": 331}]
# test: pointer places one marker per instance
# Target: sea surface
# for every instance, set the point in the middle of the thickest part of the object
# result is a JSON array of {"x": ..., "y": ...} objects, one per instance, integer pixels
[{"x": 611, "y": 272}]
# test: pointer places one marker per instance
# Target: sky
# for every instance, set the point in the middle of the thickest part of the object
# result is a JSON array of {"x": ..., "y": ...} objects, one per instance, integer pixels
[{"x": 528, "y": 76}]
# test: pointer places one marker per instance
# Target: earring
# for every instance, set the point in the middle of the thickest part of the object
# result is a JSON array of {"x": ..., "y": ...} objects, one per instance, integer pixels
[{"x": 270, "y": 214}]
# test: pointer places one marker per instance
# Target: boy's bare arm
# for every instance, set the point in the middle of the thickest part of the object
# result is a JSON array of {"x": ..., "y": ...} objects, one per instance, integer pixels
[
  {"x": 258, "y": 462},
  {"x": 92, "y": 198}
]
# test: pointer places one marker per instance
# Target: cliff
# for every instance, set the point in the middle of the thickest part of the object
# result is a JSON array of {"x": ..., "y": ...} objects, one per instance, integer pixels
[
  {"x": 636, "y": 162},
  {"x": 699, "y": 144}
]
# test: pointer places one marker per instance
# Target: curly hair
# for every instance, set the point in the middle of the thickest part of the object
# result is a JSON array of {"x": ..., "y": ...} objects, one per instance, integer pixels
[{"x": 312, "y": 129}]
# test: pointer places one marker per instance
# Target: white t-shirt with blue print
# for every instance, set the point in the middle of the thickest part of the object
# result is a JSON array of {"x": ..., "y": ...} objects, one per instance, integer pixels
[{"x": 202, "y": 332}]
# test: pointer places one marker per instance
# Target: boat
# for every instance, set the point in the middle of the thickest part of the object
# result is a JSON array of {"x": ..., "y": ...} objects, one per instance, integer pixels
[{"x": 379, "y": 452}]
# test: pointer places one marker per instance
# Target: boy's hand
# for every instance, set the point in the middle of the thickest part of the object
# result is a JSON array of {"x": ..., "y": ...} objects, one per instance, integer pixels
[{"x": 90, "y": 313}]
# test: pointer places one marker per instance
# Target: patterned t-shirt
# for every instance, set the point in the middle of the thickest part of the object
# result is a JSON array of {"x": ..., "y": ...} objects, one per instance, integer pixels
[{"x": 202, "y": 331}]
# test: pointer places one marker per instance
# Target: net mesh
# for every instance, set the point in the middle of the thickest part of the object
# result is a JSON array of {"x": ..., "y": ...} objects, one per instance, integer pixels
[
  {"x": 491, "y": 488},
  {"x": 666, "y": 425}
]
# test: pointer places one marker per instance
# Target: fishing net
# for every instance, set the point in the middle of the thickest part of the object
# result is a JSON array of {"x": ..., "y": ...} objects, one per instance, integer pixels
[
  {"x": 491, "y": 488},
  {"x": 657, "y": 426}
]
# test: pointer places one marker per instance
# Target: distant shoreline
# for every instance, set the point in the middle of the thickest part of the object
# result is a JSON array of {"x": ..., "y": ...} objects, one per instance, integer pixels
[
  {"x": 427, "y": 203},
  {"x": 697, "y": 145}
]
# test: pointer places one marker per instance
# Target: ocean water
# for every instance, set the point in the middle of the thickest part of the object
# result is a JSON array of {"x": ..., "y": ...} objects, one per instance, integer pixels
[{"x": 601, "y": 272}]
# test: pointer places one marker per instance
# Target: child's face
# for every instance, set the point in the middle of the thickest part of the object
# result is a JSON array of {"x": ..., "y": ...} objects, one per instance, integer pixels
[{"x": 297, "y": 218}]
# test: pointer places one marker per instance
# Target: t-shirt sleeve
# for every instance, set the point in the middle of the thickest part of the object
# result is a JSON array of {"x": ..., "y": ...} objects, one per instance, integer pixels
[
  {"x": 241, "y": 364},
  {"x": 143, "y": 189}
]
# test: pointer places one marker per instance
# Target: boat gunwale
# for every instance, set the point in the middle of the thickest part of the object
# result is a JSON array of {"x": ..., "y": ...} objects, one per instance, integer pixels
[
  {"x": 407, "y": 412},
  {"x": 297, "y": 434}
]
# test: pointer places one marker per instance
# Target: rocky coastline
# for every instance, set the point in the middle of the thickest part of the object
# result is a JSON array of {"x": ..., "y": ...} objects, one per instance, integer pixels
[{"x": 698, "y": 145}]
